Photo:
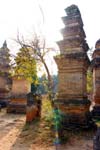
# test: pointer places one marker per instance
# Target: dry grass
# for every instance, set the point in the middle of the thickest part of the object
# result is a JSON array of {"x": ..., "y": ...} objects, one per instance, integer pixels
[{"x": 39, "y": 131}]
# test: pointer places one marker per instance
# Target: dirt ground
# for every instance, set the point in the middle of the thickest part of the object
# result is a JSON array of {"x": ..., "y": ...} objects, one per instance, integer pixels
[{"x": 14, "y": 135}]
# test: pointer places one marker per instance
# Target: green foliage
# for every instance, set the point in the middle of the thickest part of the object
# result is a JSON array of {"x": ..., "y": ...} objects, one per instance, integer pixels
[
  {"x": 89, "y": 82},
  {"x": 43, "y": 84},
  {"x": 26, "y": 66},
  {"x": 33, "y": 88},
  {"x": 47, "y": 112},
  {"x": 26, "y": 127}
]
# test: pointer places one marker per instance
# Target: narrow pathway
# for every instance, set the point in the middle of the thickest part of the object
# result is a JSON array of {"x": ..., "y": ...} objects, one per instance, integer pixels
[{"x": 10, "y": 127}]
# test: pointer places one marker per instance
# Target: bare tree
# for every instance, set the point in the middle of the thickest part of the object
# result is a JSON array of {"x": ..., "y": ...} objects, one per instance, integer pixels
[
  {"x": 37, "y": 46},
  {"x": 38, "y": 50}
]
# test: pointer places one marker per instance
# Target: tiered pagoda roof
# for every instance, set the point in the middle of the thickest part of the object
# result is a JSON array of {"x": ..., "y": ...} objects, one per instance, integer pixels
[
  {"x": 4, "y": 58},
  {"x": 73, "y": 32}
]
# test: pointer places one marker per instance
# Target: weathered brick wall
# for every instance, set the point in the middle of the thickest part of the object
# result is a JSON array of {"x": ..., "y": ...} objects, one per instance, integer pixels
[
  {"x": 72, "y": 65},
  {"x": 2, "y": 82},
  {"x": 5, "y": 84},
  {"x": 96, "y": 73},
  {"x": 72, "y": 78},
  {"x": 31, "y": 113},
  {"x": 96, "y": 76},
  {"x": 20, "y": 86},
  {"x": 96, "y": 85}
]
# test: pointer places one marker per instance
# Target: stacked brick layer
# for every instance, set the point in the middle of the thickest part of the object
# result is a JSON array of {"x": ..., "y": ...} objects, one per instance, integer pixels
[
  {"x": 5, "y": 79},
  {"x": 72, "y": 67},
  {"x": 96, "y": 80},
  {"x": 18, "y": 100}
]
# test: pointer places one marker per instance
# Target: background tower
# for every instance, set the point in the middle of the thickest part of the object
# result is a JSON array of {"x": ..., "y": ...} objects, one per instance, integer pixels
[
  {"x": 5, "y": 79},
  {"x": 96, "y": 80}
]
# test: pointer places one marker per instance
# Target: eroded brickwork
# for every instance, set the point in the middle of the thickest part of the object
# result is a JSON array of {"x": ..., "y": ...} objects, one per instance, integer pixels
[
  {"x": 20, "y": 86},
  {"x": 96, "y": 80},
  {"x": 5, "y": 79},
  {"x": 72, "y": 65},
  {"x": 18, "y": 101}
]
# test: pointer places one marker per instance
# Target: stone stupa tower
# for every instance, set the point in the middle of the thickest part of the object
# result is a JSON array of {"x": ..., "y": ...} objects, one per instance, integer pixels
[
  {"x": 72, "y": 65},
  {"x": 5, "y": 79},
  {"x": 96, "y": 80}
]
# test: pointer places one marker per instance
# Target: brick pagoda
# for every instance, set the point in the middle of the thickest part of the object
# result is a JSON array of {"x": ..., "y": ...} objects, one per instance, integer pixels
[
  {"x": 18, "y": 100},
  {"x": 5, "y": 79},
  {"x": 72, "y": 65},
  {"x": 96, "y": 80}
]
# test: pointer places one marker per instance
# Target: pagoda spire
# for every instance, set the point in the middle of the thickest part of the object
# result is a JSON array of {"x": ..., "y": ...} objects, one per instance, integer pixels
[{"x": 5, "y": 44}]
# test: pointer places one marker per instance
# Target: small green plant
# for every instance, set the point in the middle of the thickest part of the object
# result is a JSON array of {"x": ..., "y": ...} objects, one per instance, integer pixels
[
  {"x": 26, "y": 127},
  {"x": 47, "y": 113}
]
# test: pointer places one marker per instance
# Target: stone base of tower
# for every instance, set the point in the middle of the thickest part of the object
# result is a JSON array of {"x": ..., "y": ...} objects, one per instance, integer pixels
[
  {"x": 4, "y": 99},
  {"x": 5, "y": 89},
  {"x": 17, "y": 104},
  {"x": 96, "y": 112},
  {"x": 75, "y": 113},
  {"x": 4, "y": 102}
]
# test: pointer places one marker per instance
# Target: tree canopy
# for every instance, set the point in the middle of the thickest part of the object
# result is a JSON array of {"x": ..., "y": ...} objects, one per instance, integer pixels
[
  {"x": 25, "y": 65},
  {"x": 39, "y": 51}
]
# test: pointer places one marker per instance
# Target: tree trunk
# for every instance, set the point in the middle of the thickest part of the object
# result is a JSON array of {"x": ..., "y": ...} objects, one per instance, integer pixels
[{"x": 48, "y": 75}]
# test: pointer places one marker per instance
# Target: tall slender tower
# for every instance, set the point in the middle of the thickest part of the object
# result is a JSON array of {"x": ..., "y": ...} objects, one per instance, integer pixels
[
  {"x": 5, "y": 80},
  {"x": 72, "y": 65},
  {"x": 96, "y": 80}
]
